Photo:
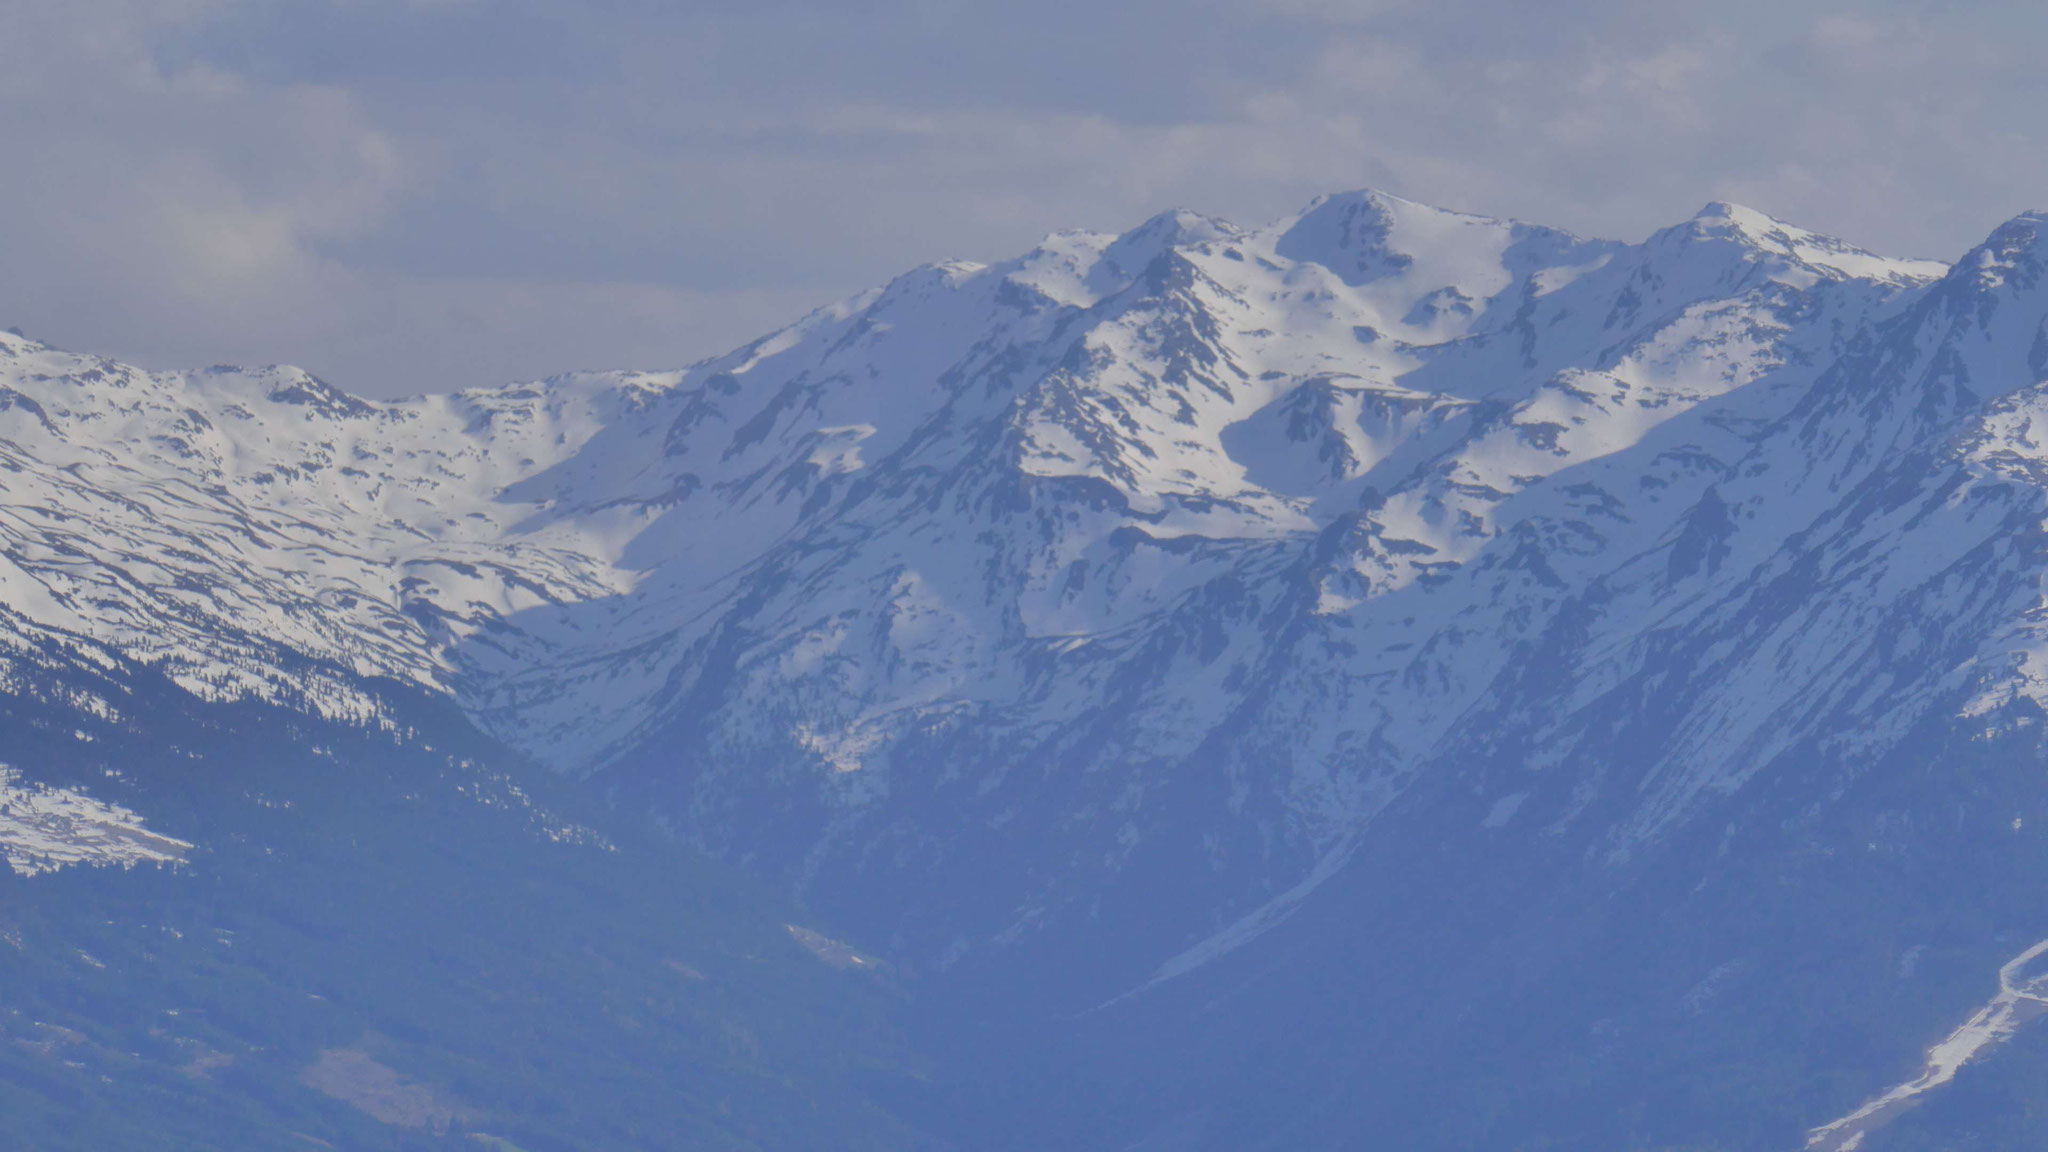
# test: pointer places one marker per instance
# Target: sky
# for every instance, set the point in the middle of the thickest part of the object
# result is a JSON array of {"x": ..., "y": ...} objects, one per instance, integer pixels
[{"x": 417, "y": 195}]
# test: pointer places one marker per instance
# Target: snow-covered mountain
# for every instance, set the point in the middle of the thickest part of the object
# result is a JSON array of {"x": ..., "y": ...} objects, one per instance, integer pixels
[
  {"x": 1100, "y": 605},
  {"x": 1303, "y": 487}
]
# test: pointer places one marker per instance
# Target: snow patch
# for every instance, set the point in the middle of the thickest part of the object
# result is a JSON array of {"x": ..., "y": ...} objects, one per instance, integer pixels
[{"x": 43, "y": 829}]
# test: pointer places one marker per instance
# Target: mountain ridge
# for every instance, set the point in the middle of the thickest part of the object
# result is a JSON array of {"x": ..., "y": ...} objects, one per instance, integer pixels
[
  {"x": 1058, "y": 462},
  {"x": 1207, "y": 638}
]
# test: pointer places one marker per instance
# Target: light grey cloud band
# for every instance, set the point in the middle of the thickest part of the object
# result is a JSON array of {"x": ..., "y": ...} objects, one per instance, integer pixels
[{"x": 420, "y": 194}]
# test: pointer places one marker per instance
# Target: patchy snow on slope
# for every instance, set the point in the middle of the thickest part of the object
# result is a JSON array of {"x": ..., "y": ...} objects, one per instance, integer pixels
[
  {"x": 1202, "y": 533},
  {"x": 43, "y": 829}
]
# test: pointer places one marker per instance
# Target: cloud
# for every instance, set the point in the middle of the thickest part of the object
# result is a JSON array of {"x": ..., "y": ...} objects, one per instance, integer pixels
[
  {"x": 410, "y": 194},
  {"x": 178, "y": 207}
]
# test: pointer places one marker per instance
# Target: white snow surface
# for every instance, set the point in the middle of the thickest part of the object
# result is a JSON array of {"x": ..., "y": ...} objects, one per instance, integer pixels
[
  {"x": 43, "y": 829},
  {"x": 2021, "y": 995},
  {"x": 1287, "y": 517}
]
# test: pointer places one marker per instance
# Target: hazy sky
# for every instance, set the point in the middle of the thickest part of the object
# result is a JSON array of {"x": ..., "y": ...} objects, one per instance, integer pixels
[{"x": 405, "y": 195}]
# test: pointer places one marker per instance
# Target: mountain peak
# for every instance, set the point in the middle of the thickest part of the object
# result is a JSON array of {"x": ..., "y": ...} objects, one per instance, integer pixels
[
  {"x": 1376, "y": 201},
  {"x": 1725, "y": 219},
  {"x": 2026, "y": 232},
  {"x": 1134, "y": 250},
  {"x": 1183, "y": 226},
  {"x": 1367, "y": 235},
  {"x": 1757, "y": 234},
  {"x": 15, "y": 342},
  {"x": 2014, "y": 256},
  {"x": 1731, "y": 211}
]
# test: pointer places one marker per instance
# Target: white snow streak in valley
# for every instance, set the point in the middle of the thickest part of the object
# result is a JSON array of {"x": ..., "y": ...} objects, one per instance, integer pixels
[{"x": 2020, "y": 998}]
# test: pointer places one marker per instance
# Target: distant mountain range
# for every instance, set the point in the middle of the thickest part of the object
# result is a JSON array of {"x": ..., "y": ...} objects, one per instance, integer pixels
[{"x": 1391, "y": 671}]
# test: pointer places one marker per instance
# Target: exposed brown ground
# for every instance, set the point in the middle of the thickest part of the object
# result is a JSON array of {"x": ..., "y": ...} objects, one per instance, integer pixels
[{"x": 356, "y": 1078}]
